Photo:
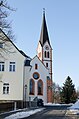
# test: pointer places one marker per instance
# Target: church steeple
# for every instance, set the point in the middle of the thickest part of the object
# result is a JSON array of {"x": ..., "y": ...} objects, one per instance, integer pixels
[
  {"x": 44, "y": 52},
  {"x": 44, "y": 32}
]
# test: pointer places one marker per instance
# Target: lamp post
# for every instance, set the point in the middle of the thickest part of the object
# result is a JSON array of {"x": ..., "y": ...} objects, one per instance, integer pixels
[{"x": 25, "y": 93}]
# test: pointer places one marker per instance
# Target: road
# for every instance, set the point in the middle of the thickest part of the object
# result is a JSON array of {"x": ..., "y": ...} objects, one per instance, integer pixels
[{"x": 52, "y": 112}]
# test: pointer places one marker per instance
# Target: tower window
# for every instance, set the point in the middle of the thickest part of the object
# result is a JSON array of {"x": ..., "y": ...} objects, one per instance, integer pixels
[
  {"x": 46, "y": 64},
  {"x": 36, "y": 66},
  {"x": 45, "y": 54}
]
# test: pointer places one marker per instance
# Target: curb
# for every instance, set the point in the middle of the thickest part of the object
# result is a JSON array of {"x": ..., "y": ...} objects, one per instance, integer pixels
[{"x": 5, "y": 114}]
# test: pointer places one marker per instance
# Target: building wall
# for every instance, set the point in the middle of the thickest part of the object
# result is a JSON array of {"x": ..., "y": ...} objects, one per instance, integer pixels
[
  {"x": 39, "y": 53},
  {"x": 26, "y": 82},
  {"x": 15, "y": 79},
  {"x": 45, "y": 59},
  {"x": 43, "y": 72},
  {"x": 48, "y": 60}
]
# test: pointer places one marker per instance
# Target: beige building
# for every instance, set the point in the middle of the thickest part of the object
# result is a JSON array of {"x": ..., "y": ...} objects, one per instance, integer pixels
[{"x": 11, "y": 71}]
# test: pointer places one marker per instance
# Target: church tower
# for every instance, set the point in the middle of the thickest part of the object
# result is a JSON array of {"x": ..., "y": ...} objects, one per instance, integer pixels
[{"x": 44, "y": 52}]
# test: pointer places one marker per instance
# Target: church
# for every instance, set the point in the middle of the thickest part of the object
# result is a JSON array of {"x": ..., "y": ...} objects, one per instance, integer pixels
[{"x": 25, "y": 78}]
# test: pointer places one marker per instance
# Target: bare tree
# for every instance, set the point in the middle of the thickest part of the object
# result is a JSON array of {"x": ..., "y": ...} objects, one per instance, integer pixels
[
  {"x": 6, "y": 34},
  {"x": 56, "y": 93},
  {"x": 4, "y": 13}
]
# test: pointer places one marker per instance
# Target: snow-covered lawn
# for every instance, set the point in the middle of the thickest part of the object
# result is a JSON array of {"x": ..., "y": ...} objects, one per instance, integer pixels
[
  {"x": 23, "y": 114},
  {"x": 55, "y": 104},
  {"x": 73, "y": 112},
  {"x": 52, "y": 104},
  {"x": 74, "y": 109}
]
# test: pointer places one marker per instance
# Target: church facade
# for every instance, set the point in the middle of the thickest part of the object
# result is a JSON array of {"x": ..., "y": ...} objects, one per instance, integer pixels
[{"x": 25, "y": 78}]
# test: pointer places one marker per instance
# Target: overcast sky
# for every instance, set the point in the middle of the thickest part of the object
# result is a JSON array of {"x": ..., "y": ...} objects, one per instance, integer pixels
[{"x": 62, "y": 17}]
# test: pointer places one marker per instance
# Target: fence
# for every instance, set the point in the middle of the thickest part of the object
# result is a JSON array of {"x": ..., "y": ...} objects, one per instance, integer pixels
[{"x": 8, "y": 106}]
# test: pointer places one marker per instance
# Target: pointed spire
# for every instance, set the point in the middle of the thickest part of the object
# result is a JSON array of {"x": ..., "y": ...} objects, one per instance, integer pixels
[
  {"x": 44, "y": 33},
  {"x": 43, "y": 11}
]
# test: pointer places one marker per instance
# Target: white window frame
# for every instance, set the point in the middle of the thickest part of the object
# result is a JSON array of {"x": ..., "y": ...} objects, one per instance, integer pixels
[
  {"x": 6, "y": 88},
  {"x": 2, "y": 66},
  {"x": 12, "y": 66},
  {"x": 1, "y": 45}
]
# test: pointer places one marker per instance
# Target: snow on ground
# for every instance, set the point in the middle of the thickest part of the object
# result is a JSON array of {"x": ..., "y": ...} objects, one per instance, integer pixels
[
  {"x": 23, "y": 114},
  {"x": 52, "y": 104},
  {"x": 75, "y": 106},
  {"x": 74, "y": 109},
  {"x": 72, "y": 112},
  {"x": 55, "y": 104},
  {"x": 13, "y": 111}
]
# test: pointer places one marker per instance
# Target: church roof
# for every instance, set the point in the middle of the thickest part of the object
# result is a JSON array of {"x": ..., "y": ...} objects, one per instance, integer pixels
[
  {"x": 44, "y": 32},
  {"x": 39, "y": 60}
]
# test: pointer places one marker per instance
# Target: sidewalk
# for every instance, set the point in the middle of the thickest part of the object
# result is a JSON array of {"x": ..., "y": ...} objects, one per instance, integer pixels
[{"x": 15, "y": 114}]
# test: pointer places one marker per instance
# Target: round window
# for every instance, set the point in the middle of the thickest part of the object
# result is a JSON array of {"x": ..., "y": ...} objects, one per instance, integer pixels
[
  {"x": 47, "y": 48},
  {"x": 35, "y": 75}
]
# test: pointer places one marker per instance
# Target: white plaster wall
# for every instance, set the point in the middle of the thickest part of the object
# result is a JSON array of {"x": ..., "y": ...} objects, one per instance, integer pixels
[
  {"x": 47, "y": 60},
  {"x": 43, "y": 74},
  {"x": 26, "y": 82},
  {"x": 15, "y": 79}
]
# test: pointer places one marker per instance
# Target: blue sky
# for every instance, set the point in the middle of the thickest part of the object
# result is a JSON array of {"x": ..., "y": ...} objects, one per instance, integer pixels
[{"x": 62, "y": 17}]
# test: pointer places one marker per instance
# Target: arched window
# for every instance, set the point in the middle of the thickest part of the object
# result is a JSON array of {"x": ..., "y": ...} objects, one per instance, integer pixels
[
  {"x": 40, "y": 87},
  {"x": 45, "y": 54},
  {"x": 46, "y": 64},
  {"x": 31, "y": 87},
  {"x": 36, "y": 66}
]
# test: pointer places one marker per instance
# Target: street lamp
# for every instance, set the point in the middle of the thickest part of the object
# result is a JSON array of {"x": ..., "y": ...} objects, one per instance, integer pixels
[{"x": 25, "y": 91}]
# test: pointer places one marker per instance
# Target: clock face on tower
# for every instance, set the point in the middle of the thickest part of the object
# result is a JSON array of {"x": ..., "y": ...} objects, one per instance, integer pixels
[
  {"x": 47, "y": 48},
  {"x": 36, "y": 75}
]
